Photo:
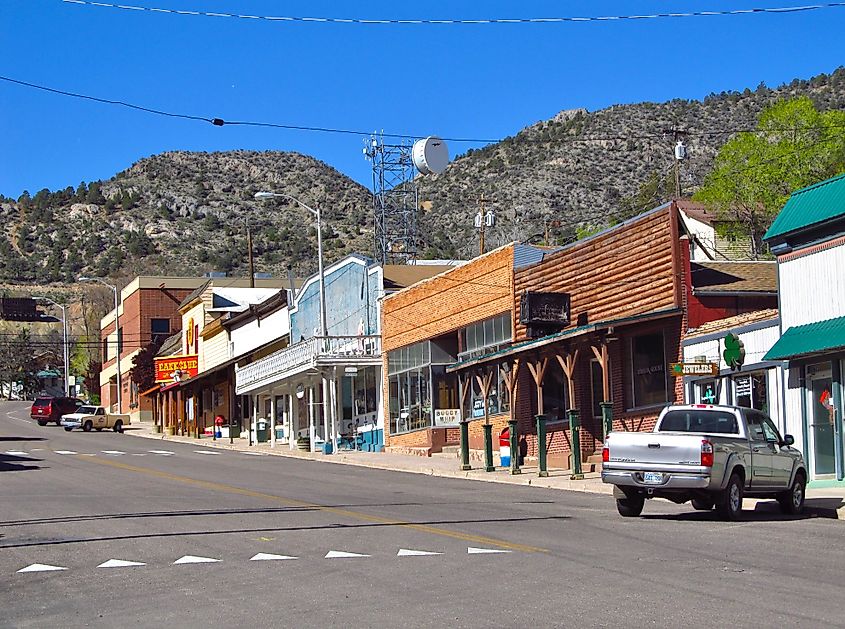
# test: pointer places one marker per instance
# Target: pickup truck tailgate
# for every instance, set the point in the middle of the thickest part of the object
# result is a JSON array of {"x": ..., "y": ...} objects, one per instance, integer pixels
[{"x": 653, "y": 448}]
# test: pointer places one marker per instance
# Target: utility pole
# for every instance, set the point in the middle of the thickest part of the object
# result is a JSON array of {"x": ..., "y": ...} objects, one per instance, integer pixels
[
  {"x": 249, "y": 254},
  {"x": 483, "y": 219},
  {"x": 680, "y": 153}
]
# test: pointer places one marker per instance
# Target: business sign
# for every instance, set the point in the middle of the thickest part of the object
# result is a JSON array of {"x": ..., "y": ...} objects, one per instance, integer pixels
[
  {"x": 447, "y": 416},
  {"x": 544, "y": 309},
  {"x": 694, "y": 369},
  {"x": 172, "y": 368}
]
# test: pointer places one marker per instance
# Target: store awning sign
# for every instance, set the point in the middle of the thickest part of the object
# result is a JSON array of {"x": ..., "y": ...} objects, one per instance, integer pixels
[
  {"x": 693, "y": 369},
  {"x": 173, "y": 368}
]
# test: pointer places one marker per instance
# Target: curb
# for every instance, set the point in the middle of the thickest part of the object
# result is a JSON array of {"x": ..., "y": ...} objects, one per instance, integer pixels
[{"x": 525, "y": 480}]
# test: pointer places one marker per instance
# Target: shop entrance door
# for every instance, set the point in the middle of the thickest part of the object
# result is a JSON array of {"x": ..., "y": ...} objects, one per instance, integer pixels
[{"x": 820, "y": 390}]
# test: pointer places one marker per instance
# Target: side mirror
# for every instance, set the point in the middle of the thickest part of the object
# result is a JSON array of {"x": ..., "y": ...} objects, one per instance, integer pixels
[{"x": 788, "y": 440}]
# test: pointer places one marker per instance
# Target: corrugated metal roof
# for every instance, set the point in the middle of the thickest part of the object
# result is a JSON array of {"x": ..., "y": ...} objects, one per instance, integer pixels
[
  {"x": 810, "y": 206},
  {"x": 812, "y": 338}
]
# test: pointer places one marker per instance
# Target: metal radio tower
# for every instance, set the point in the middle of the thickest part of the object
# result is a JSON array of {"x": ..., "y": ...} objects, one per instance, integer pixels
[{"x": 395, "y": 200}]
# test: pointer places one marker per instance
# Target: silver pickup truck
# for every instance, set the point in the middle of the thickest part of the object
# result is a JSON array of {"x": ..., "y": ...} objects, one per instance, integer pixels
[{"x": 710, "y": 455}]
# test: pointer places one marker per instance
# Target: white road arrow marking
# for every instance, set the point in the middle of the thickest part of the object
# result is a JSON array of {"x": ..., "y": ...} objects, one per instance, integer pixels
[
  {"x": 404, "y": 552},
  {"x": 485, "y": 551},
  {"x": 339, "y": 554},
  {"x": 41, "y": 567},
  {"x": 194, "y": 559},
  {"x": 205, "y": 452},
  {"x": 162, "y": 452},
  {"x": 268, "y": 557},
  {"x": 120, "y": 563},
  {"x": 65, "y": 452},
  {"x": 114, "y": 452}
]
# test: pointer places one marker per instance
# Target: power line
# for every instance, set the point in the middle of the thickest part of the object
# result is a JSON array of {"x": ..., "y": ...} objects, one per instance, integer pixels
[
  {"x": 219, "y": 122},
  {"x": 462, "y": 22}
]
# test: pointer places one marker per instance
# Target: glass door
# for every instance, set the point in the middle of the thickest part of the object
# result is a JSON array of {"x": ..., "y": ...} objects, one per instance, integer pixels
[{"x": 820, "y": 404}]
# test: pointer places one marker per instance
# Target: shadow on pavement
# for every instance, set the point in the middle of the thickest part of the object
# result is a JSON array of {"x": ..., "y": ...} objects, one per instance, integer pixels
[
  {"x": 760, "y": 514},
  {"x": 23, "y": 438},
  {"x": 283, "y": 529},
  {"x": 13, "y": 463}
]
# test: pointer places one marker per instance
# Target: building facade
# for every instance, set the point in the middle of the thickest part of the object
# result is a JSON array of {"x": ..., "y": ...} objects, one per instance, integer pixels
[{"x": 808, "y": 237}]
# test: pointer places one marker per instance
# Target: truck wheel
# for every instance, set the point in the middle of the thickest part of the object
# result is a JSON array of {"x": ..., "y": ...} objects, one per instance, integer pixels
[
  {"x": 42, "y": 423},
  {"x": 87, "y": 426},
  {"x": 68, "y": 428},
  {"x": 702, "y": 504},
  {"x": 792, "y": 501},
  {"x": 729, "y": 504},
  {"x": 118, "y": 426},
  {"x": 630, "y": 507}
]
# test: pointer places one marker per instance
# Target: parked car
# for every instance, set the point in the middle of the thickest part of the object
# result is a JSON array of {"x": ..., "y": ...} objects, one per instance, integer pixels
[
  {"x": 88, "y": 417},
  {"x": 51, "y": 409},
  {"x": 708, "y": 454}
]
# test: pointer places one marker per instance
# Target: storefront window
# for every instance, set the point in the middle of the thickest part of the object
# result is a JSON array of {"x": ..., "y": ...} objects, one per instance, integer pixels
[
  {"x": 486, "y": 335},
  {"x": 418, "y": 383},
  {"x": 707, "y": 392},
  {"x": 648, "y": 370},
  {"x": 498, "y": 397},
  {"x": 750, "y": 391}
]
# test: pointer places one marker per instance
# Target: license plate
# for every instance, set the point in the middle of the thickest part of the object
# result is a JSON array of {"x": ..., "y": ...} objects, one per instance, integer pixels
[{"x": 652, "y": 478}]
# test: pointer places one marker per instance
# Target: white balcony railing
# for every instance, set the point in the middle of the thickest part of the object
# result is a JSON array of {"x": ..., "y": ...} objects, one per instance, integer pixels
[{"x": 312, "y": 352}]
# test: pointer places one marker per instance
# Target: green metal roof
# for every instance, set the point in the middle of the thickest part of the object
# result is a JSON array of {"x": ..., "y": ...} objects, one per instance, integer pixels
[
  {"x": 811, "y": 338},
  {"x": 810, "y": 206}
]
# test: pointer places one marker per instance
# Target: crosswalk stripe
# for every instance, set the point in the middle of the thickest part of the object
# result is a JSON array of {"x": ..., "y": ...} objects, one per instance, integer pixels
[
  {"x": 404, "y": 552},
  {"x": 206, "y": 452},
  {"x": 194, "y": 559},
  {"x": 113, "y": 452},
  {"x": 485, "y": 551},
  {"x": 16, "y": 453},
  {"x": 120, "y": 563},
  {"x": 64, "y": 452},
  {"x": 41, "y": 567},
  {"x": 340, "y": 554},
  {"x": 162, "y": 452},
  {"x": 269, "y": 557}
]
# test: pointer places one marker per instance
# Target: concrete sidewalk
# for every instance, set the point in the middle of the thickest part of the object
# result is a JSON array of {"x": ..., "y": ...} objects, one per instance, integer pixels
[{"x": 828, "y": 502}]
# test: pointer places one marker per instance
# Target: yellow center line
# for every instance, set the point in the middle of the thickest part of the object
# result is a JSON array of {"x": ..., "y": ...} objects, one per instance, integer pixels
[{"x": 356, "y": 515}]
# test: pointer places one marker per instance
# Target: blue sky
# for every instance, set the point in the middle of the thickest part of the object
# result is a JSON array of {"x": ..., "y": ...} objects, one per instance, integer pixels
[{"x": 485, "y": 81}]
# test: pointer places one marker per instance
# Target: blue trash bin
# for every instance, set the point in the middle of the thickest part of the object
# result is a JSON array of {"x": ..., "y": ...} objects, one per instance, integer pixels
[{"x": 327, "y": 447}]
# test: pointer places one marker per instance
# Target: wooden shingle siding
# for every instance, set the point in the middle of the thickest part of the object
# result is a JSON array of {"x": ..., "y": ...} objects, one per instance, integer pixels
[{"x": 626, "y": 271}]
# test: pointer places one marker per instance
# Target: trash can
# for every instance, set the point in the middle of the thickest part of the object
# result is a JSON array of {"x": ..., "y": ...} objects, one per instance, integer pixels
[
  {"x": 218, "y": 426},
  {"x": 280, "y": 433},
  {"x": 505, "y": 448},
  {"x": 327, "y": 447},
  {"x": 262, "y": 431}
]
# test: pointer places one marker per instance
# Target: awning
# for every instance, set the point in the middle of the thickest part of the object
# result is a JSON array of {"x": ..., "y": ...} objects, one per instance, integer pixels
[
  {"x": 811, "y": 338},
  {"x": 562, "y": 335}
]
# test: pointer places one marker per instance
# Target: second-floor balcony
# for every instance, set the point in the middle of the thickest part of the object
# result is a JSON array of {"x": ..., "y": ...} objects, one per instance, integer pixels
[{"x": 319, "y": 351}]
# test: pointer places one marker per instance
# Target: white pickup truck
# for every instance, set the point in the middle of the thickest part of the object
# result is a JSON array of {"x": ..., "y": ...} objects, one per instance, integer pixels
[
  {"x": 96, "y": 417},
  {"x": 710, "y": 455}
]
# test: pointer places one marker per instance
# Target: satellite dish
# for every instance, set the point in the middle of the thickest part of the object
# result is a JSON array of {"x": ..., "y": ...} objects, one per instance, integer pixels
[{"x": 431, "y": 155}]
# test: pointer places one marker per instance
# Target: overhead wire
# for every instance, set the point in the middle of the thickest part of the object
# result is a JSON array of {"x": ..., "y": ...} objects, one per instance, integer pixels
[
  {"x": 462, "y": 22},
  {"x": 219, "y": 122}
]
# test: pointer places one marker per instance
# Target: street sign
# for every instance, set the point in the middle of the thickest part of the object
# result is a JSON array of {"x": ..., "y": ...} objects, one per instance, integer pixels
[{"x": 693, "y": 369}]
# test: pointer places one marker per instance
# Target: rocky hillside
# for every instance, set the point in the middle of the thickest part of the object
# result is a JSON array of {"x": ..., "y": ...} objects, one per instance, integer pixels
[
  {"x": 585, "y": 169},
  {"x": 186, "y": 213}
]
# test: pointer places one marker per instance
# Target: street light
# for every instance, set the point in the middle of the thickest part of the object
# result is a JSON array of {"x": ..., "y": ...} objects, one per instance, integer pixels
[
  {"x": 64, "y": 337},
  {"x": 260, "y": 196},
  {"x": 116, "y": 332}
]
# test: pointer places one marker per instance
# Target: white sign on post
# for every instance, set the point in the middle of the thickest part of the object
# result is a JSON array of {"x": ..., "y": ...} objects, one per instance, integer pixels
[{"x": 447, "y": 416}]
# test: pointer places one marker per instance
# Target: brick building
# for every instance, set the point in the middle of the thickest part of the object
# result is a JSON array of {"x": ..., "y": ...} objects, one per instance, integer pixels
[{"x": 435, "y": 323}]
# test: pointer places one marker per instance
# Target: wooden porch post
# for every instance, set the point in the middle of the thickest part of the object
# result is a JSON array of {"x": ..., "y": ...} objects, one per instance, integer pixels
[
  {"x": 603, "y": 357},
  {"x": 538, "y": 372}
]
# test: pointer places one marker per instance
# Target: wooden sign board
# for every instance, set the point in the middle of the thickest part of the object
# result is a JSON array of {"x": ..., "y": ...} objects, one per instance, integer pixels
[{"x": 693, "y": 369}]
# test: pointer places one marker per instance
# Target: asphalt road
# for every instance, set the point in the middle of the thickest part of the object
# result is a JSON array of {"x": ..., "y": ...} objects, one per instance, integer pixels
[{"x": 78, "y": 500}]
